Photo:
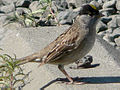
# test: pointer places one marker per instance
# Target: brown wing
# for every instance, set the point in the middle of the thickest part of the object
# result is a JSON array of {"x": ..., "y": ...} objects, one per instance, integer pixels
[{"x": 66, "y": 42}]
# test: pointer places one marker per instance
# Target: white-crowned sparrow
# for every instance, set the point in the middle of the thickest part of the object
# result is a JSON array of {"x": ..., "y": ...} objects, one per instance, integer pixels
[{"x": 71, "y": 45}]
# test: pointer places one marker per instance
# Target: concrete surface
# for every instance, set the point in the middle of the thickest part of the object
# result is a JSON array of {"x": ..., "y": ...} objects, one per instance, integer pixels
[{"x": 25, "y": 41}]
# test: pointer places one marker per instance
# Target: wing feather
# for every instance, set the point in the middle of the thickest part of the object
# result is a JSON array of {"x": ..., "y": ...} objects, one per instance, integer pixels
[{"x": 66, "y": 43}]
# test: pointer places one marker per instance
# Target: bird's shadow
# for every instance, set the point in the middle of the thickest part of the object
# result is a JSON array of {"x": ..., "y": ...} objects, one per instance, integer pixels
[
  {"x": 88, "y": 80},
  {"x": 84, "y": 66}
]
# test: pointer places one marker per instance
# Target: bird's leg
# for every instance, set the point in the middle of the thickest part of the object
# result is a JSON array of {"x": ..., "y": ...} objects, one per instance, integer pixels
[{"x": 61, "y": 68}]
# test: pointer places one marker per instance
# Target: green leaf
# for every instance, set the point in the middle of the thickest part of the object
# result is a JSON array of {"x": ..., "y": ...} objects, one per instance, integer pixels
[
  {"x": 4, "y": 78},
  {"x": 3, "y": 83},
  {"x": 1, "y": 49},
  {"x": 2, "y": 66},
  {"x": 19, "y": 80},
  {"x": 28, "y": 22},
  {"x": 19, "y": 74},
  {"x": 44, "y": 1},
  {"x": 9, "y": 57},
  {"x": 49, "y": 16},
  {"x": 40, "y": 10}
]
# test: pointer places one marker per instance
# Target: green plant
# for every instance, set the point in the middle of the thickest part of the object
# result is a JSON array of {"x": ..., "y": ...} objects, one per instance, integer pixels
[
  {"x": 49, "y": 4},
  {"x": 29, "y": 18},
  {"x": 10, "y": 72}
]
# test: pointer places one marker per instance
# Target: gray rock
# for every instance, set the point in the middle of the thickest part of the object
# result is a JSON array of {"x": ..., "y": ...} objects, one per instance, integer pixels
[
  {"x": 64, "y": 4},
  {"x": 35, "y": 6},
  {"x": 66, "y": 17},
  {"x": 63, "y": 15},
  {"x": 23, "y": 3},
  {"x": 2, "y": 14},
  {"x": 7, "y": 2},
  {"x": 60, "y": 4},
  {"x": 102, "y": 34},
  {"x": 116, "y": 33},
  {"x": 101, "y": 2},
  {"x": 114, "y": 23},
  {"x": 101, "y": 26},
  {"x": 117, "y": 41},
  {"x": 106, "y": 1},
  {"x": 108, "y": 11},
  {"x": 56, "y": 7},
  {"x": 109, "y": 31},
  {"x": 108, "y": 38},
  {"x": 2, "y": 19},
  {"x": 109, "y": 4},
  {"x": 106, "y": 19},
  {"x": 118, "y": 5},
  {"x": 112, "y": 43},
  {"x": 22, "y": 11},
  {"x": 105, "y": 13},
  {"x": 1, "y": 2},
  {"x": 78, "y": 3},
  {"x": 2, "y": 32},
  {"x": 77, "y": 10},
  {"x": 8, "y": 8},
  {"x": 96, "y": 4},
  {"x": 118, "y": 20}
]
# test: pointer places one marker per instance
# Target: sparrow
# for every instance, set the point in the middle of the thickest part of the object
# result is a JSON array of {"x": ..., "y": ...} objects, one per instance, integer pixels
[{"x": 71, "y": 45}]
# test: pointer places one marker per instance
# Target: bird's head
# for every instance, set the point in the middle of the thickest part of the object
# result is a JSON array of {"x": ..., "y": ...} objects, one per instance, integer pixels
[{"x": 91, "y": 10}]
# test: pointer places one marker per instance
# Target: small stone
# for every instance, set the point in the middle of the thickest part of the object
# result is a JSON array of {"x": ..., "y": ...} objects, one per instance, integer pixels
[
  {"x": 35, "y": 6},
  {"x": 23, "y": 3},
  {"x": 75, "y": 2},
  {"x": 101, "y": 26},
  {"x": 109, "y": 4},
  {"x": 118, "y": 5},
  {"x": 8, "y": 2},
  {"x": 72, "y": 6},
  {"x": 116, "y": 32},
  {"x": 108, "y": 11},
  {"x": 66, "y": 17},
  {"x": 56, "y": 7},
  {"x": 112, "y": 43},
  {"x": 118, "y": 20},
  {"x": 96, "y": 4},
  {"x": 107, "y": 38},
  {"x": 1, "y": 2},
  {"x": 102, "y": 34},
  {"x": 21, "y": 11},
  {"x": 109, "y": 31},
  {"x": 106, "y": 19},
  {"x": 8, "y": 8},
  {"x": 2, "y": 19},
  {"x": 114, "y": 23},
  {"x": 101, "y": 2},
  {"x": 64, "y": 4},
  {"x": 118, "y": 48},
  {"x": 117, "y": 41},
  {"x": 2, "y": 32}
]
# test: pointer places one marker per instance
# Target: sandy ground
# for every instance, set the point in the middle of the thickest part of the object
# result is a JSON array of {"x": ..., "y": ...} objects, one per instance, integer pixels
[{"x": 25, "y": 41}]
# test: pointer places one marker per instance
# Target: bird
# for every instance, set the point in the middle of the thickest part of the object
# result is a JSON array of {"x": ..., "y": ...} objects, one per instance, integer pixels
[{"x": 71, "y": 45}]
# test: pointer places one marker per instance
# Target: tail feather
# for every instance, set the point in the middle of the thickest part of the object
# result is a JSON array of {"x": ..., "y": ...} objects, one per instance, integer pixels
[
  {"x": 37, "y": 57},
  {"x": 31, "y": 58}
]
